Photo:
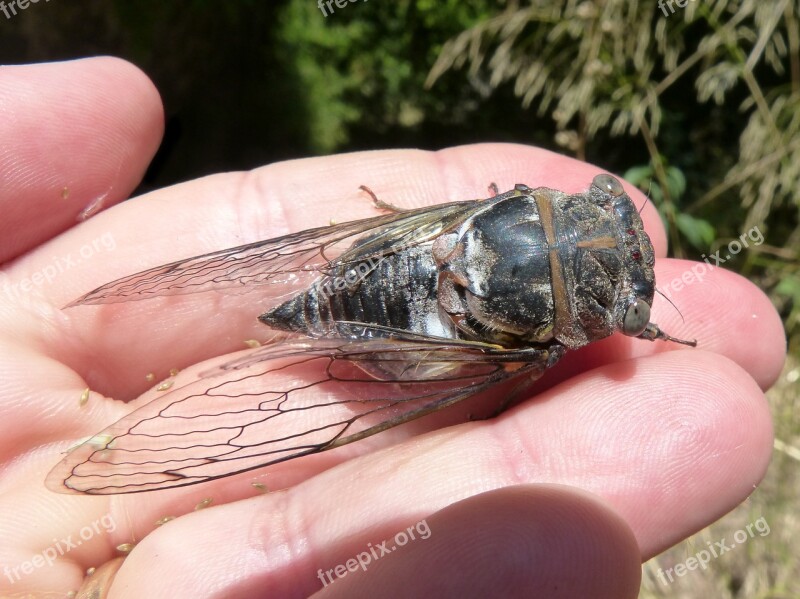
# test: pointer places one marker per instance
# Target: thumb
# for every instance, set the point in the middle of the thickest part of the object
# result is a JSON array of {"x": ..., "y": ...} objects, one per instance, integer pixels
[{"x": 523, "y": 541}]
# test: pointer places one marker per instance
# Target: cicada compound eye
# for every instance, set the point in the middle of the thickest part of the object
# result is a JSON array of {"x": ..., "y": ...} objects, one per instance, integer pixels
[
  {"x": 636, "y": 319},
  {"x": 608, "y": 184}
]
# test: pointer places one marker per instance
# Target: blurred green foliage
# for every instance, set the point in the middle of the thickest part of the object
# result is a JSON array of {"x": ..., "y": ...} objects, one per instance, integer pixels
[{"x": 363, "y": 69}]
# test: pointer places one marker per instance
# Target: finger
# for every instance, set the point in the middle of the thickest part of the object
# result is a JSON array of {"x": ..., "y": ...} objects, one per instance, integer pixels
[
  {"x": 671, "y": 443},
  {"x": 522, "y": 541},
  {"x": 83, "y": 133},
  {"x": 723, "y": 311},
  {"x": 228, "y": 210},
  {"x": 187, "y": 329},
  {"x": 728, "y": 315}
]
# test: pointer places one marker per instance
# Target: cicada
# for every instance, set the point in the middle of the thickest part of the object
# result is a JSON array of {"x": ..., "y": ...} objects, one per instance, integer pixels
[{"x": 385, "y": 320}]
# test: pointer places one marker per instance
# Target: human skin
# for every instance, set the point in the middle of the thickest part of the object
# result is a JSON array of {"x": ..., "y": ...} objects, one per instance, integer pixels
[{"x": 627, "y": 448}]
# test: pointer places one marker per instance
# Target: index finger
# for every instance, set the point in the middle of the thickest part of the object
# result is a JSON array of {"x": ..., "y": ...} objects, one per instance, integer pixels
[
  {"x": 232, "y": 209},
  {"x": 79, "y": 145}
]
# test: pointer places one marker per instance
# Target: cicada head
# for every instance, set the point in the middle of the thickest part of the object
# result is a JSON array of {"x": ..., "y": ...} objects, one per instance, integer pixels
[{"x": 636, "y": 288}]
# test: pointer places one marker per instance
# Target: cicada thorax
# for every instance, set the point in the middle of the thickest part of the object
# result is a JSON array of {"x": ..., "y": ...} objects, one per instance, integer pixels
[
  {"x": 494, "y": 276},
  {"x": 542, "y": 265}
]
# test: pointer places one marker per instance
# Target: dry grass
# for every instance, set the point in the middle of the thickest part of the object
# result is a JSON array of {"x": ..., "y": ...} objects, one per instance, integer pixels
[{"x": 762, "y": 566}]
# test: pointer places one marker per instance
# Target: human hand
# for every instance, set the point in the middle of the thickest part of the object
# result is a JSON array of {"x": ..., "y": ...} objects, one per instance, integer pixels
[{"x": 629, "y": 446}]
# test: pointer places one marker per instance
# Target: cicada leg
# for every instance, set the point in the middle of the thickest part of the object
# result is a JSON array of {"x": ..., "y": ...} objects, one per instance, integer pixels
[{"x": 380, "y": 204}]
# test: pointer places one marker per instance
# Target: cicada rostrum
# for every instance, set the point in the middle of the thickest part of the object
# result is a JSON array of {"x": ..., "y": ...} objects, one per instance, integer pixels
[{"x": 385, "y": 320}]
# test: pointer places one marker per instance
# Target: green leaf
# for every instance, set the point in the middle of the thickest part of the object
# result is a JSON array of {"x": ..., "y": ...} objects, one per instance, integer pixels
[
  {"x": 676, "y": 182},
  {"x": 789, "y": 287},
  {"x": 699, "y": 232},
  {"x": 653, "y": 190},
  {"x": 638, "y": 175}
]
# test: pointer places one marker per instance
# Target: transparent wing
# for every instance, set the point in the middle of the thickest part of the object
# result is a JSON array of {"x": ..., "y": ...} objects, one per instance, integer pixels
[
  {"x": 284, "y": 264},
  {"x": 279, "y": 402}
]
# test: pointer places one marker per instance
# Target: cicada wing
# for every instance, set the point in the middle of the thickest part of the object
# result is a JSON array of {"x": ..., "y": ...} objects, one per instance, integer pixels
[
  {"x": 284, "y": 264},
  {"x": 280, "y": 402}
]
